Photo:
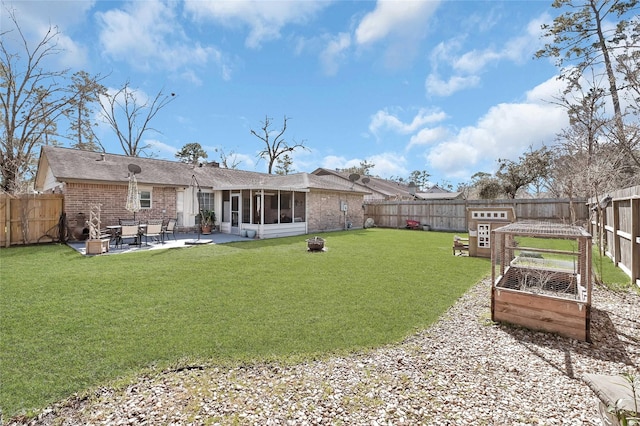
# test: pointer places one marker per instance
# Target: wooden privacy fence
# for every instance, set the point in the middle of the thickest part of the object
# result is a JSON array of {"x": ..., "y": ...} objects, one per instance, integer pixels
[
  {"x": 30, "y": 219},
  {"x": 451, "y": 215},
  {"x": 615, "y": 224}
]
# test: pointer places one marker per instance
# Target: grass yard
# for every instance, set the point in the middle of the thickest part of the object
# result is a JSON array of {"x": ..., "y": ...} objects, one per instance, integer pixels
[{"x": 69, "y": 323}]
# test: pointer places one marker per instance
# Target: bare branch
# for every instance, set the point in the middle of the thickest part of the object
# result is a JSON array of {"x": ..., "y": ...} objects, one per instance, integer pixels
[
  {"x": 130, "y": 118},
  {"x": 276, "y": 147}
]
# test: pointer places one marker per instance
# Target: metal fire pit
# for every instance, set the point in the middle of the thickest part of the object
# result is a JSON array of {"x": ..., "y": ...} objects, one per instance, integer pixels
[{"x": 315, "y": 244}]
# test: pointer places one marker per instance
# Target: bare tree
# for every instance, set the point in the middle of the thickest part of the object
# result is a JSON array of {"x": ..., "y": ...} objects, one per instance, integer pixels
[
  {"x": 532, "y": 166},
  {"x": 228, "y": 160},
  {"x": 31, "y": 100},
  {"x": 129, "y": 116},
  {"x": 582, "y": 40},
  {"x": 80, "y": 111},
  {"x": 276, "y": 145}
]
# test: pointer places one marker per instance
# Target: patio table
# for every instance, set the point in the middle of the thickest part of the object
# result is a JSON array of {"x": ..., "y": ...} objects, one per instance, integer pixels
[{"x": 114, "y": 230}]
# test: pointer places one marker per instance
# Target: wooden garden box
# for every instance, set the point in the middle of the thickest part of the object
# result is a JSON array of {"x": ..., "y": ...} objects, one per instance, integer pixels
[
  {"x": 541, "y": 275},
  {"x": 98, "y": 246}
]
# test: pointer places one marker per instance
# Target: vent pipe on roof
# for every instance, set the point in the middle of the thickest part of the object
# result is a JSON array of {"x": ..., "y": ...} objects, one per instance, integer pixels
[{"x": 101, "y": 157}]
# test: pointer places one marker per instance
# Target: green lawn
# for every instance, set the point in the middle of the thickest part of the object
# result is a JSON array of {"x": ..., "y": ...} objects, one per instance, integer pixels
[{"x": 69, "y": 323}]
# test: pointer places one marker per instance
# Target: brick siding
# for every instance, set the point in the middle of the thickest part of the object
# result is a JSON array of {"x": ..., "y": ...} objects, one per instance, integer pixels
[
  {"x": 324, "y": 212},
  {"x": 112, "y": 199}
]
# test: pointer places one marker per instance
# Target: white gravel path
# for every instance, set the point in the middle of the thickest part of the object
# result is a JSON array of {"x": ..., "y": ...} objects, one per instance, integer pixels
[{"x": 464, "y": 370}]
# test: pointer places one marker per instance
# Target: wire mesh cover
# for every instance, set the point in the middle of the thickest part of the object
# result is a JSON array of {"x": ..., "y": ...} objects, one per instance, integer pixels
[
  {"x": 541, "y": 281},
  {"x": 543, "y": 258},
  {"x": 543, "y": 229}
]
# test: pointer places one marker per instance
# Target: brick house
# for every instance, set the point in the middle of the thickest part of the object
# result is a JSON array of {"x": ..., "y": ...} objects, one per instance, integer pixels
[{"x": 272, "y": 205}]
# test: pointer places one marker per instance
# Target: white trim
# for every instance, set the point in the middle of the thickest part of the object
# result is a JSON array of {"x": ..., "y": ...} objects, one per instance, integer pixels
[{"x": 489, "y": 215}]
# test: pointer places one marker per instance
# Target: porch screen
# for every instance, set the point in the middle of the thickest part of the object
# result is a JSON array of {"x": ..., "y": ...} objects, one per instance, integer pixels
[
  {"x": 299, "y": 207},
  {"x": 246, "y": 206}
]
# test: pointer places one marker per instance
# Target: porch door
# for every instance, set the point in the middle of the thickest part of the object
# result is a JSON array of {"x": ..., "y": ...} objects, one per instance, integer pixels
[{"x": 235, "y": 213}]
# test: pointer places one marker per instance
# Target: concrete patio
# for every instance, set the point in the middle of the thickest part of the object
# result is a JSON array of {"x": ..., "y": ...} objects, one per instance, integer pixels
[{"x": 181, "y": 240}]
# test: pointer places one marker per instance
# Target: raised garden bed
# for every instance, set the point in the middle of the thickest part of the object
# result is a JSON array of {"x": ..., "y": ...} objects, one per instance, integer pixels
[{"x": 538, "y": 286}]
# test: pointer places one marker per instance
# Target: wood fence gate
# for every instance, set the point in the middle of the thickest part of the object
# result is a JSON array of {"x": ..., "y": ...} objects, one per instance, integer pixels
[{"x": 31, "y": 219}]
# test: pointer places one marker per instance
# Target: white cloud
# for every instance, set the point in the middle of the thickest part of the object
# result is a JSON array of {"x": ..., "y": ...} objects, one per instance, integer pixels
[
  {"x": 168, "y": 150},
  {"x": 37, "y": 18},
  {"x": 385, "y": 164},
  {"x": 334, "y": 162},
  {"x": 506, "y": 131},
  {"x": 388, "y": 164},
  {"x": 428, "y": 136},
  {"x": 147, "y": 36},
  {"x": 474, "y": 61},
  {"x": 546, "y": 92},
  {"x": 405, "y": 18},
  {"x": 436, "y": 86},
  {"x": 382, "y": 120},
  {"x": 467, "y": 67},
  {"x": 335, "y": 52},
  {"x": 264, "y": 18}
]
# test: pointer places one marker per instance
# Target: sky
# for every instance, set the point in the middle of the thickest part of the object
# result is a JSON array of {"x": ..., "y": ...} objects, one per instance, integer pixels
[{"x": 446, "y": 87}]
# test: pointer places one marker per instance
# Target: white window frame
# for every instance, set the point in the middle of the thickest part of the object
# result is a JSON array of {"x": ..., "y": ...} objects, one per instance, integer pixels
[{"x": 142, "y": 189}]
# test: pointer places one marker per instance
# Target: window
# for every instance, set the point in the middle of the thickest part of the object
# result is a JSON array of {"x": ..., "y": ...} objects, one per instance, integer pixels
[
  {"x": 206, "y": 201},
  {"x": 145, "y": 198}
]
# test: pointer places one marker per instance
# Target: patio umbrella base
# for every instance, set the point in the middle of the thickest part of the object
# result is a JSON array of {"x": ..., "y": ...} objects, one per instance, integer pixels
[{"x": 197, "y": 242}]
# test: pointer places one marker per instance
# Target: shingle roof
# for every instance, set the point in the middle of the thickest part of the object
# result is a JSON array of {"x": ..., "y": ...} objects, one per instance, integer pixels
[
  {"x": 383, "y": 186},
  {"x": 391, "y": 188},
  {"x": 68, "y": 164},
  {"x": 76, "y": 165}
]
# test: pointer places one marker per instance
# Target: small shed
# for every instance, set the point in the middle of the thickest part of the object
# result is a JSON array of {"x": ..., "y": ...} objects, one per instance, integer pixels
[
  {"x": 482, "y": 220},
  {"x": 541, "y": 276}
]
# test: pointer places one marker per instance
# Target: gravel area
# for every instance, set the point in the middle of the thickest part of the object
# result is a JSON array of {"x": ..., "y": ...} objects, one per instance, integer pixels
[{"x": 464, "y": 370}]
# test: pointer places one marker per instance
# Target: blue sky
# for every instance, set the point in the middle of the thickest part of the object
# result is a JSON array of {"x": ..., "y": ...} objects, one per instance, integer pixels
[{"x": 443, "y": 86}]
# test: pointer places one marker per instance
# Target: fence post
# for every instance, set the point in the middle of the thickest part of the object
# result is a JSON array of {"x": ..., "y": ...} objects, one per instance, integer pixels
[{"x": 7, "y": 222}]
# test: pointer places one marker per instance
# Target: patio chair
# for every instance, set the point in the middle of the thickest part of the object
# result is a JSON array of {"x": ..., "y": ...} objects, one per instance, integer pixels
[
  {"x": 153, "y": 230},
  {"x": 129, "y": 231},
  {"x": 169, "y": 229}
]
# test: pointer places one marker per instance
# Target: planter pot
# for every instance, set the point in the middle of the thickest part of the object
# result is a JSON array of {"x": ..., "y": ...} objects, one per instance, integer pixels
[
  {"x": 206, "y": 229},
  {"x": 243, "y": 233},
  {"x": 251, "y": 233}
]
